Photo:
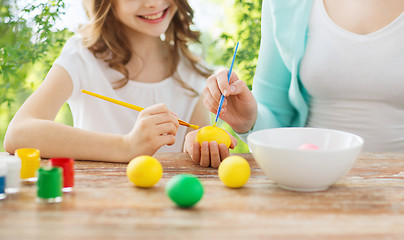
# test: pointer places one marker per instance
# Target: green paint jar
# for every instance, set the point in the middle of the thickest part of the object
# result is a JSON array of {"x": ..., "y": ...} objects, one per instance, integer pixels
[{"x": 50, "y": 185}]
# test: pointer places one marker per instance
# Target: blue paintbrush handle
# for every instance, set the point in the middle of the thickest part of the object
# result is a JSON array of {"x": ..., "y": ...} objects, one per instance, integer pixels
[
  {"x": 228, "y": 79},
  {"x": 220, "y": 108}
]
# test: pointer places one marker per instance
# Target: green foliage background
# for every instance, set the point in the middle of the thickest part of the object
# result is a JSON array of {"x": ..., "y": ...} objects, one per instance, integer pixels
[{"x": 29, "y": 44}]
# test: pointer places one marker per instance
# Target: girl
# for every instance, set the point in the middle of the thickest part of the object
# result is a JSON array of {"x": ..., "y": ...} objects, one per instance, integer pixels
[
  {"x": 323, "y": 63},
  {"x": 118, "y": 54}
]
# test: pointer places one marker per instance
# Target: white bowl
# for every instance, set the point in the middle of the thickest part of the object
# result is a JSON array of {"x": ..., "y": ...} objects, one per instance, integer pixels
[{"x": 277, "y": 152}]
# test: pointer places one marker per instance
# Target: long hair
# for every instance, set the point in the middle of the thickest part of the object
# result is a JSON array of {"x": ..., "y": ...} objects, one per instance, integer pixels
[{"x": 105, "y": 38}]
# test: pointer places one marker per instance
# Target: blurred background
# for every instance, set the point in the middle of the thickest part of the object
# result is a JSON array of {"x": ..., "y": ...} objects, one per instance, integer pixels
[{"x": 33, "y": 32}]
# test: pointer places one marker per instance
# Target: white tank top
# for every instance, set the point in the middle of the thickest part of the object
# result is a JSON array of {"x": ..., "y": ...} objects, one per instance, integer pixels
[{"x": 356, "y": 82}]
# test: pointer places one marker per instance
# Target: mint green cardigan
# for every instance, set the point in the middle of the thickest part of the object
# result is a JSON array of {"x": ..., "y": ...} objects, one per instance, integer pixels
[{"x": 281, "y": 98}]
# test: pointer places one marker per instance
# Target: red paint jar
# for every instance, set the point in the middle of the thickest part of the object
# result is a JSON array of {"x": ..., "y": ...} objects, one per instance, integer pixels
[{"x": 67, "y": 164}]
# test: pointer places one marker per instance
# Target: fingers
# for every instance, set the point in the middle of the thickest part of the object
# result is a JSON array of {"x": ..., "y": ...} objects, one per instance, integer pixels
[
  {"x": 210, "y": 102},
  {"x": 238, "y": 87},
  {"x": 214, "y": 154},
  {"x": 205, "y": 156},
  {"x": 229, "y": 88},
  {"x": 165, "y": 139},
  {"x": 162, "y": 133},
  {"x": 234, "y": 86},
  {"x": 212, "y": 91},
  {"x": 217, "y": 85},
  {"x": 167, "y": 128},
  {"x": 233, "y": 78},
  {"x": 155, "y": 127},
  {"x": 192, "y": 147},
  {"x": 155, "y": 109},
  {"x": 196, "y": 153},
  {"x": 209, "y": 154},
  {"x": 159, "y": 116},
  {"x": 224, "y": 151},
  {"x": 233, "y": 142},
  {"x": 212, "y": 95},
  {"x": 223, "y": 82}
]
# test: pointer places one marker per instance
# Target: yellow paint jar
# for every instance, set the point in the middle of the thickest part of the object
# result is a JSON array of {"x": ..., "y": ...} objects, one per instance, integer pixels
[{"x": 30, "y": 163}]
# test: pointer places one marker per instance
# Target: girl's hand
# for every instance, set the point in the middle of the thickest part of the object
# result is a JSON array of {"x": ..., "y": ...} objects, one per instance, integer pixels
[
  {"x": 210, "y": 153},
  {"x": 239, "y": 108},
  {"x": 155, "y": 127}
]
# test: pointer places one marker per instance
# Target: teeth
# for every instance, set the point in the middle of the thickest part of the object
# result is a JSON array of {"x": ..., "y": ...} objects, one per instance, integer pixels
[{"x": 155, "y": 16}]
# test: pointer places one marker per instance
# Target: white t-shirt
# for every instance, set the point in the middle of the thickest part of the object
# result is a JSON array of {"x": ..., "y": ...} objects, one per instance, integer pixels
[
  {"x": 92, "y": 74},
  {"x": 356, "y": 81}
]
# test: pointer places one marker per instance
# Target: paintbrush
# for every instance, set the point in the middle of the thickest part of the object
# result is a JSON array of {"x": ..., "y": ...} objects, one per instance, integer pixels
[
  {"x": 228, "y": 79},
  {"x": 131, "y": 106}
]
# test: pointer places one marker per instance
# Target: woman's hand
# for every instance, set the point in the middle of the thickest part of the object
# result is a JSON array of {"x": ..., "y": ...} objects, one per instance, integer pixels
[
  {"x": 239, "y": 107},
  {"x": 155, "y": 127},
  {"x": 210, "y": 153}
]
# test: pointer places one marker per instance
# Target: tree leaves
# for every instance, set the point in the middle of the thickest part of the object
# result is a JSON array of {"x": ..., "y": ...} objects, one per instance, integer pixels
[
  {"x": 248, "y": 33},
  {"x": 28, "y": 34}
]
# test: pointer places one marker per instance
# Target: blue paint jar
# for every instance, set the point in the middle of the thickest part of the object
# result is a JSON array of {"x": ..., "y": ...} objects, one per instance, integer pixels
[
  {"x": 3, "y": 173},
  {"x": 13, "y": 172}
]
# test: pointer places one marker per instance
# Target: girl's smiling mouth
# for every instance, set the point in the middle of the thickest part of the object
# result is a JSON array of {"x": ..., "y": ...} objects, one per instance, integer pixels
[{"x": 155, "y": 17}]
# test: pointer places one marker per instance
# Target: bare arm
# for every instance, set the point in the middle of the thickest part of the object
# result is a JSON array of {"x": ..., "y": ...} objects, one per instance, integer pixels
[{"x": 34, "y": 126}]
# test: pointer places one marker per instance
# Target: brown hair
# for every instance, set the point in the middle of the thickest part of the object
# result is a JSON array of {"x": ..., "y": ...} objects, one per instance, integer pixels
[{"x": 106, "y": 39}]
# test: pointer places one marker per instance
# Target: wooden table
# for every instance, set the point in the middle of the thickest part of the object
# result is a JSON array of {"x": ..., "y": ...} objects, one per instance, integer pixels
[{"x": 367, "y": 203}]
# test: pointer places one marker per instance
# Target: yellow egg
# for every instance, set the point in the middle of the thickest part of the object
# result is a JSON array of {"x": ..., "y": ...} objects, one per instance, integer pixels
[
  {"x": 144, "y": 171},
  {"x": 210, "y": 133},
  {"x": 234, "y": 171}
]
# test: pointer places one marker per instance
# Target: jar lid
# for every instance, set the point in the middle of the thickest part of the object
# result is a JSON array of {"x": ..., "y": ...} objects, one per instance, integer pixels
[
  {"x": 27, "y": 153},
  {"x": 13, "y": 162}
]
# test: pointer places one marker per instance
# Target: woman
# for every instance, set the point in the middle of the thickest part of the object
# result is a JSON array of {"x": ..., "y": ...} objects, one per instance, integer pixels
[{"x": 328, "y": 64}]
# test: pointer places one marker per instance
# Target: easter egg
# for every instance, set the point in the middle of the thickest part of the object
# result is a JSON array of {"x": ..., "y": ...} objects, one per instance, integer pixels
[
  {"x": 185, "y": 190},
  {"x": 308, "y": 146},
  {"x": 210, "y": 133},
  {"x": 144, "y": 171},
  {"x": 234, "y": 171}
]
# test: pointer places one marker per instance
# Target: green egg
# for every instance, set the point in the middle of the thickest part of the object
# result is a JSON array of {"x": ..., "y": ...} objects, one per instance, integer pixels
[{"x": 185, "y": 190}]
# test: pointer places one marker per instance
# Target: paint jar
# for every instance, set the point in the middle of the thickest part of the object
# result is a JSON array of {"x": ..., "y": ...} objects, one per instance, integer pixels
[
  {"x": 13, "y": 172},
  {"x": 49, "y": 185},
  {"x": 3, "y": 172},
  {"x": 4, "y": 154},
  {"x": 30, "y": 163},
  {"x": 67, "y": 164}
]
